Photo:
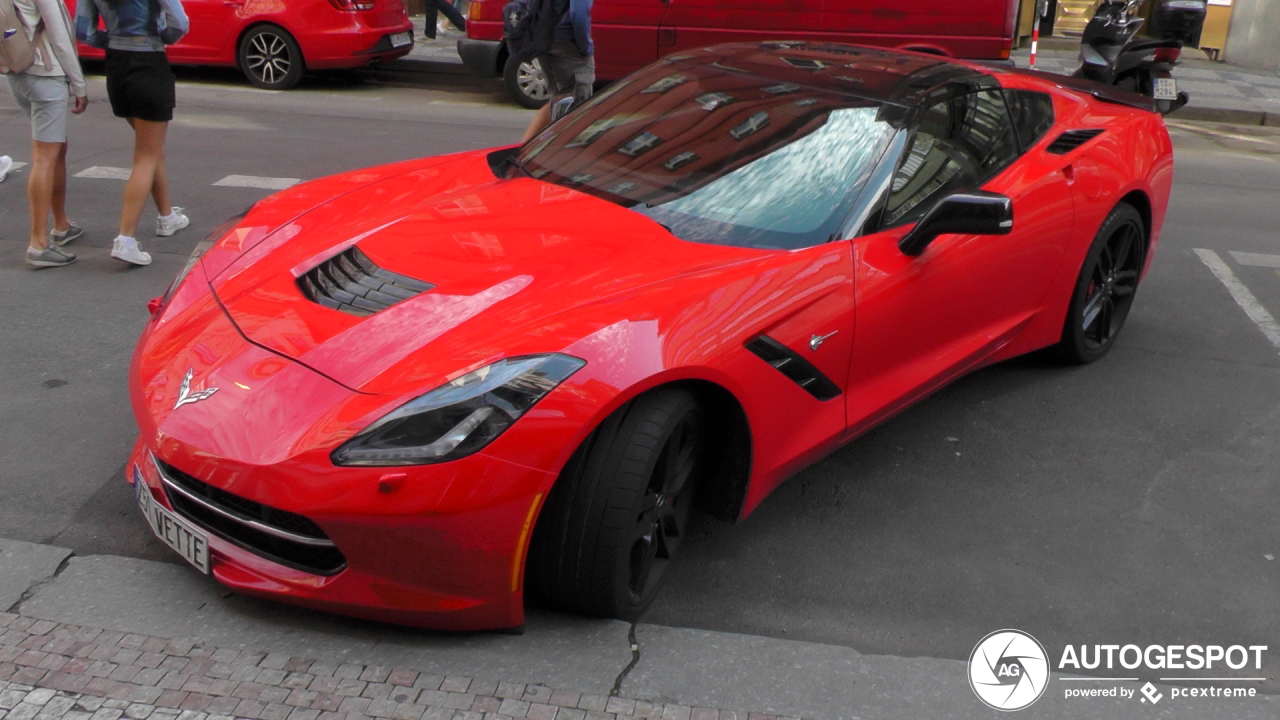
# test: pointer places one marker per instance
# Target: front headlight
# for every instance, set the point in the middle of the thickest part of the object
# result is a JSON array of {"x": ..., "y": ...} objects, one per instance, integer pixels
[{"x": 461, "y": 417}]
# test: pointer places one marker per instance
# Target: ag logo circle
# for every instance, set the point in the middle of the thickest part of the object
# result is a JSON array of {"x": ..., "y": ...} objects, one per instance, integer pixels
[{"x": 1008, "y": 670}]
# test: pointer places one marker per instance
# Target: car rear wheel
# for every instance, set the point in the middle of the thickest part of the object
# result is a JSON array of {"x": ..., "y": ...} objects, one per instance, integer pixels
[
  {"x": 617, "y": 515},
  {"x": 1105, "y": 290},
  {"x": 271, "y": 58},
  {"x": 526, "y": 82}
]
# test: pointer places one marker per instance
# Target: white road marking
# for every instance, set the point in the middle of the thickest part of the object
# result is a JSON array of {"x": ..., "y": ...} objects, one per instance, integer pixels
[
  {"x": 99, "y": 172},
  {"x": 17, "y": 166},
  {"x": 1241, "y": 294},
  {"x": 202, "y": 86},
  {"x": 219, "y": 122},
  {"x": 1256, "y": 259},
  {"x": 253, "y": 181}
]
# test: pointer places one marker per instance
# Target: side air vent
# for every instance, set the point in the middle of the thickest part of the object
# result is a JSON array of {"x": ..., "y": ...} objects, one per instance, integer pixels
[
  {"x": 352, "y": 283},
  {"x": 801, "y": 371},
  {"x": 1072, "y": 139}
]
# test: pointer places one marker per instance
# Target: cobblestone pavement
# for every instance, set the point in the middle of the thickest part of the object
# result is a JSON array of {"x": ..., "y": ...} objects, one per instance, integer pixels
[{"x": 55, "y": 671}]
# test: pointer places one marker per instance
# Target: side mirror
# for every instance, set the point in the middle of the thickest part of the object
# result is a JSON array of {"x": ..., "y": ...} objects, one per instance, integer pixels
[{"x": 967, "y": 213}]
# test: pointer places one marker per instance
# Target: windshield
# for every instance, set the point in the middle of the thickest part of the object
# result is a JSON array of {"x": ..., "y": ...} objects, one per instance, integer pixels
[{"x": 719, "y": 156}]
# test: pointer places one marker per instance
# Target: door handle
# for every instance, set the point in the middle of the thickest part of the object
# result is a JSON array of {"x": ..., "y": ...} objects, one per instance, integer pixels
[{"x": 1069, "y": 172}]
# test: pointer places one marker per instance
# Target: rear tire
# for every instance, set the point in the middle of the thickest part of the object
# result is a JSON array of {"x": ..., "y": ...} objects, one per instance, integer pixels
[
  {"x": 615, "y": 518},
  {"x": 526, "y": 82},
  {"x": 271, "y": 58},
  {"x": 1105, "y": 289}
]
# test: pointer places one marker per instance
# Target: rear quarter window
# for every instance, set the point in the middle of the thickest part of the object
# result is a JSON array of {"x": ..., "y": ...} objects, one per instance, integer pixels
[{"x": 1031, "y": 113}]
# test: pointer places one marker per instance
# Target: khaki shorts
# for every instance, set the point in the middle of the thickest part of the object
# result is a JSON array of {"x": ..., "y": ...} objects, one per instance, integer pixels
[
  {"x": 569, "y": 71},
  {"x": 46, "y": 100}
]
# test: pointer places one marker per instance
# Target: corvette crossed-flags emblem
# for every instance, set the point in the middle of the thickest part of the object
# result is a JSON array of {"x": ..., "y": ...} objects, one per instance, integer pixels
[{"x": 185, "y": 396}]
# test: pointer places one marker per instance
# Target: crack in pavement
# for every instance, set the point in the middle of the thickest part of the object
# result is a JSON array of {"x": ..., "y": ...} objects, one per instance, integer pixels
[
  {"x": 27, "y": 594},
  {"x": 635, "y": 658}
]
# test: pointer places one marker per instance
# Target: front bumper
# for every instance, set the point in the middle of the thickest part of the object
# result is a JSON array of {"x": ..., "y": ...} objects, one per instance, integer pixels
[
  {"x": 480, "y": 56},
  {"x": 454, "y": 571}
]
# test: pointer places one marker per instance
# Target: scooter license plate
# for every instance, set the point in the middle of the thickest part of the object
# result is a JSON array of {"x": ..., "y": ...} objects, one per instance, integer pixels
[{"x": 1166, "y": 89}]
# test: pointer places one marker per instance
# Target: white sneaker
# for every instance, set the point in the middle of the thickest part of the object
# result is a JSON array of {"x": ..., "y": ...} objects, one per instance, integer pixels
[
  {"x": 6, "y": 164},
  {"x": 126, "y": 249},
  {"x": 166, "y": 226}
]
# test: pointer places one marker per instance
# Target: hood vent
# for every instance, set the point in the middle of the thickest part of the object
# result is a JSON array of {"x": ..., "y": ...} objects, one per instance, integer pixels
[
  {"x": 352, "y": 283},
  {"x": 1072, "y": 139},
  {"x": 801, "y": 371}
]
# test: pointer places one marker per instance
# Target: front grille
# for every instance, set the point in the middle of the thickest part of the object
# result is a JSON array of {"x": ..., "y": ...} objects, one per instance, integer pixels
[
  {"x": 352, "y": 283},
  {"x": 278, "y": 535},
  {"x": 789, "y": 363},
  {"x": 1072, "y": 139}
]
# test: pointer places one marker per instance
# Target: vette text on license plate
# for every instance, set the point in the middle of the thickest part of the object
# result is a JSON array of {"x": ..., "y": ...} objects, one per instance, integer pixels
[
  {"x": 401, "y": 39},
  {"x": 1166, "y": 89},
  {"x": 177, "y": 533}
]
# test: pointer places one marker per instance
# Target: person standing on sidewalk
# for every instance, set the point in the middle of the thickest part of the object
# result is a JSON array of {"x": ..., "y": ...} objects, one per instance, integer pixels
[
  {"x": 570, "y": 63},
  {"x": 44, "y": 91},
  {"x": 141, "y": 89}
]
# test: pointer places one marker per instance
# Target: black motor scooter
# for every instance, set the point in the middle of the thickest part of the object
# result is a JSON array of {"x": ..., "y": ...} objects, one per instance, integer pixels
[{"x": 1111, "y": 53}]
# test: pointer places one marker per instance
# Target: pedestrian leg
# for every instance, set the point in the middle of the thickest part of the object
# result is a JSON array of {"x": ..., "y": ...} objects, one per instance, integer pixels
[
  {"x": 59, "y": 197},
  {"x": 160, "y": 186},
  {"x": 144, "y": 180},
  {"x": 41, "y": 186}
]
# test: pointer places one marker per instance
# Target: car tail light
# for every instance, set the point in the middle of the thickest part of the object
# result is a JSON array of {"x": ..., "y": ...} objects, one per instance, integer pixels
[
  {"x": 1168, "y": 54},
  {"x": 475, "y": 10},
  {"x": 352, "y": 5}
]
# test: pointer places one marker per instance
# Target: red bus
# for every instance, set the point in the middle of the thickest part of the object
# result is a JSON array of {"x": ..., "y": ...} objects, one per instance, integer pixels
[{"x": 632, "y": 33}]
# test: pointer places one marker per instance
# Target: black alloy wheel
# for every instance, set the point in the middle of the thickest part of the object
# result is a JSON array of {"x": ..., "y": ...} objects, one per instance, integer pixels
[
  {"x": 616, "y": 517},
  {"x": 1106, "y": 287},
  {"x": 271, "y": 58},
  {"x": 664, "y": 511}
]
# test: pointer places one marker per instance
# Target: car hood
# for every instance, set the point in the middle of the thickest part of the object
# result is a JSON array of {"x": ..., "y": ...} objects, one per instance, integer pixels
[{"x": 504, "y": 256}]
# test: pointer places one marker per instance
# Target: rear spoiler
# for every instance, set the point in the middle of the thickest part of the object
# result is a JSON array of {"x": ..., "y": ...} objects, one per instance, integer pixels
[{"x": 1103, "y": 92}]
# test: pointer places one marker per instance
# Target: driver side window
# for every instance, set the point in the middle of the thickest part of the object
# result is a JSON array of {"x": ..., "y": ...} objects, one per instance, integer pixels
[{"x": 960, "y": 143}]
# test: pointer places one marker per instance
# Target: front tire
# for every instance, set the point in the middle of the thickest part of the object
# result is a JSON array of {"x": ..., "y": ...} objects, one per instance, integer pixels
[
  {"x": 526, "y": 82},
  {"x": 271, "y": 58},
  {"x": 1105, "y": 289},
  {"x": 615, "y": 518}
]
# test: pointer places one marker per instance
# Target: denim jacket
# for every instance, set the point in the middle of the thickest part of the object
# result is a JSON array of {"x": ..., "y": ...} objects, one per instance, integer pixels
[{"x": 140, "y": 25}]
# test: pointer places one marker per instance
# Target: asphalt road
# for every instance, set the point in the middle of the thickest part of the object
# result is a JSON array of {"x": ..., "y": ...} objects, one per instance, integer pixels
[{"x": 1133, "y": 500}]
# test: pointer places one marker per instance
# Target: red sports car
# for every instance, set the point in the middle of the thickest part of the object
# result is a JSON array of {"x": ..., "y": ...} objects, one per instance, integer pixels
[
  {"x": 422, "y": 392},
  {"x": 274, "y": 41}
]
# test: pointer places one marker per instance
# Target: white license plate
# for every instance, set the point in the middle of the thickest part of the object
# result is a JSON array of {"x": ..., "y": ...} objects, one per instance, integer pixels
[
  {"x": 401, "y": 39},
  {"x": 1166, "y": 89},
  {"x": 175, "y": 532}
]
